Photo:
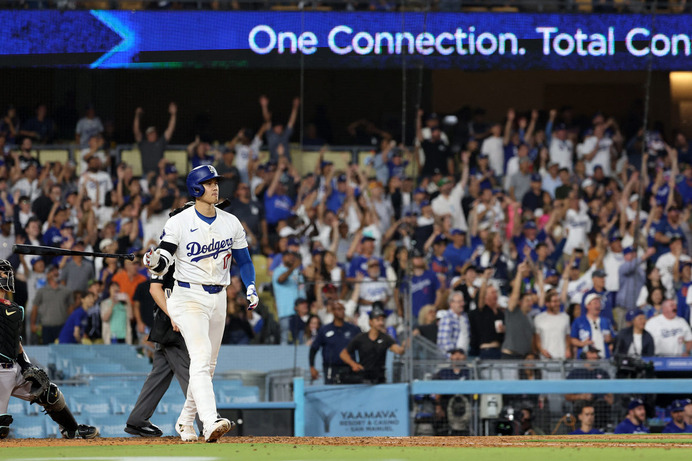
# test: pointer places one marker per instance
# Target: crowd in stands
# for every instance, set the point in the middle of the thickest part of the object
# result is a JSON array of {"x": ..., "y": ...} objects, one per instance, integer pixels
[
  {"x": 505, "y": 6},
  {"x": 538, "y": 236}
]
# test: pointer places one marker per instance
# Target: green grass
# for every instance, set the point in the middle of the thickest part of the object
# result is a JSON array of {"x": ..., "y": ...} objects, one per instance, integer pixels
[{"x": 267, "y": 452}]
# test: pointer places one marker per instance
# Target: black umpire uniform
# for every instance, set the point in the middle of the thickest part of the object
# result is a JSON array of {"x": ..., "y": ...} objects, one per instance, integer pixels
[{"x": 170, "y": 358}]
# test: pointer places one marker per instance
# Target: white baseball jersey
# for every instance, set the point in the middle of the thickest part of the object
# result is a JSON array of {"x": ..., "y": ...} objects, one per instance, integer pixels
[
  {"x": 204, "y": 250},
  {"x": 669, "y": 335}
]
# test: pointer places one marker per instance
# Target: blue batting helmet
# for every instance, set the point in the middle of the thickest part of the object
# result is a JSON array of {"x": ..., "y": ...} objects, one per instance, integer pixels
[{"x": 197, "y": 176}]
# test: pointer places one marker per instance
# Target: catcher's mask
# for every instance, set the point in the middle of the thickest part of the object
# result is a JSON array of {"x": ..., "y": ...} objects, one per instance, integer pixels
[{"x": 6, "y": 276}]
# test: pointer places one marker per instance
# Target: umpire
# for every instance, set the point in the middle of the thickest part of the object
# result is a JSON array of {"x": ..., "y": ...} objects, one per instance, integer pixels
[
  {"x": 333, "y": 338},
  {"x": 170, "y": 358}
]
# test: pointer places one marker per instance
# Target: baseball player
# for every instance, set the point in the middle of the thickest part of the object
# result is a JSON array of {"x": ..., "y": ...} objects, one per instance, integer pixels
[
  {"x": 170, "y": 358},
  {"x": 21, "y": 379},
  {"x": 202, "y": 239}
]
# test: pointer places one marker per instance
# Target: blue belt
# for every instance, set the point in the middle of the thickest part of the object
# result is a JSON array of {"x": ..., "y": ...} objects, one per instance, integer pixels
[
  {"x": 212, "y": 289},
  {"x": 7, "y": 365}
]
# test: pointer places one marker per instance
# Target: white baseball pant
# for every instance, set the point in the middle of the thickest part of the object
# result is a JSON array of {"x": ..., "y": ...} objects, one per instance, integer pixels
[{"x": 201, "y": 317}]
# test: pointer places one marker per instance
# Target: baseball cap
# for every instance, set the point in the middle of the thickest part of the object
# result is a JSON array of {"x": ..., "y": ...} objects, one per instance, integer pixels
[
  {"x": 170, "y": 168},
  {"x": 35, "y": 260},
  {"x": 560, "y": 126},
  {"x": 329, "y": 287},
  {"x": 293, "y": 242},
  {"x": 530, "y": 225},
  {"x": 424, "y": 203},
  {"x": 634, "y": 403},
  {"x": 536, "y": 177},
  {"x": 419, "y": 190},
  {"x": 587, "y": 182},
  {"x": 286, "y": 231},
  {"x": 590, "y": 348},
  {"x": 598, "y": 273},
  {"x": 634, "y": 198},
  {"x": 326, "y": 163},
  {"x": 590, "y": 298},
  {"x": 377, "y": 312},
  {"x": 615, "y": 237},
  {"x": 457, "y": 232},
  {"x": 365, "y": 238},
  {"x": 443, "y": 181},
  {"x": 150, "y": 129},
  {"x": 412, "y": 213},
  {"x": 675, "y": 237},
  {"x": 631, "y": 315},
  {"x": 482, "y": 156},
  {"x": 551, "y": 273},
  {"x": 440, "y": 239},
  {"x": 416, "y": 253},
  {"x": 342, "y": 178},
  {"x": 628, "y": 250},
  {"x": 678, "y": 405},
  {"x": 299, "y": 301}
]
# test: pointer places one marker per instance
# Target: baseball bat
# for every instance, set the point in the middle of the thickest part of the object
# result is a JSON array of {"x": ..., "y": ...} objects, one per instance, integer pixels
[{"x": 52, "y": 251}]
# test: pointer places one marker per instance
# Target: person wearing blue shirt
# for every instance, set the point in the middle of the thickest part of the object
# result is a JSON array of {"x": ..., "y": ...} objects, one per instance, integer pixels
[
  {"x": 457, "y": 252},
  {"x": 396, "y": 166},
  {"x": 530, "y": 237},
  {"x": 53, "y": 237},
  {"x": 677, "y": 414},
  {"x": 332, "y": 339},
  {"x": 287, "y": 282},
  {"x": 425, "y": 285},
  {"x": 634, "y": 422},
  {"x": 277, "y": 204},
  {"x": 684, "y": 185},
  {"x": 336, "y": 193},
  {"x": 73, "y": 330},
  {"x": 359, "y": 262},
  {"x": 587, "y": 418},
  {"x": 598, "y": 280},
  {"x": 592, "y": 329}
]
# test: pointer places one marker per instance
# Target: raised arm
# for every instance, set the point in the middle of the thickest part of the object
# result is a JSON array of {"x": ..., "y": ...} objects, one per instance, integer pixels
[
  {"x": 508, "y": 126},
  {"x": 135, "y": 125},
  {"x": 294, "y": 113},
  {"x": 516, "y": 287},
  {"x": 264, "y": 104},
  {"x": 173, "y": 112}
]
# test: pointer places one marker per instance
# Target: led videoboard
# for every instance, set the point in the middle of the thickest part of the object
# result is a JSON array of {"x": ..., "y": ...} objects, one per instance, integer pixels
[{"x": 472, "y": 41}]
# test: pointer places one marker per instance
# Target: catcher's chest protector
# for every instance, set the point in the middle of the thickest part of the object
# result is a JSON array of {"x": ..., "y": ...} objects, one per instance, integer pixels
[{"x": 11, "y": 319}]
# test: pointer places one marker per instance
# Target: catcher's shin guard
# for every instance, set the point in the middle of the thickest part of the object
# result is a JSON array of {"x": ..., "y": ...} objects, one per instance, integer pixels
[
  {"x": 54, "y": 403},
  {"x": 5, "y": 421}
]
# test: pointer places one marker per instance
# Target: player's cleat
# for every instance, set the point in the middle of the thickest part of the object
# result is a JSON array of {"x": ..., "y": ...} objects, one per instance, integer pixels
[
  {"x": 219, "y": 428},
  {"x": 147, "y": 430},
  {"x": 187, "y": 432},
  {"x": 4, "y": 432},
  {"x": 83, "y": 431}
]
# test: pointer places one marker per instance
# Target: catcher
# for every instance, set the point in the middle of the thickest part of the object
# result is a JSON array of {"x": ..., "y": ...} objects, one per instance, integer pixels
[{"x": 21, "y": 379}]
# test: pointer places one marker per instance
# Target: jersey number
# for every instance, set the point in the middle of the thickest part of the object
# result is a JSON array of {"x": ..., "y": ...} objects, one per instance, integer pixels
[{"x": 225, "y": 260}]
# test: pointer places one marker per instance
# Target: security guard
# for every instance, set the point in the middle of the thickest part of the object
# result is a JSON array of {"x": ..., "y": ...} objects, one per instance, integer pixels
[{"x": 333, "y": 338}]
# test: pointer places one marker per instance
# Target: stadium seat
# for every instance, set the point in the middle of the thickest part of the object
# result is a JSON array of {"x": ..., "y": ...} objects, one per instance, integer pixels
[
  {"x": 109, "y": 426},
  {"x": 16, "y": 407},
  {"x": 122, "y": 404},
  {"x": 179, "y": 159},
  {"x": 101, "y": 368},
  {"x": 261, "y": 269},
  {"x": 22, "y": 429},
  {"x": 53, "y": 155},
  {"x": 133, "y": 158},
  {"x": 95, "y": 406},
  {"x": 245, "y": 394}
]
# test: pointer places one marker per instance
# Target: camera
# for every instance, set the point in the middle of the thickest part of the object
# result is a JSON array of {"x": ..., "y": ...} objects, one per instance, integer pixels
[{"x": 633, "y": 368}]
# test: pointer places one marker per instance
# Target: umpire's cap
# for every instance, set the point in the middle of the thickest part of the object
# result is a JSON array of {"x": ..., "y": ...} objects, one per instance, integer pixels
[{"x": 199, "y": 175}]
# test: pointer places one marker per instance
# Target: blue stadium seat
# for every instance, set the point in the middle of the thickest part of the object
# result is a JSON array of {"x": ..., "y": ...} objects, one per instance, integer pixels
[
  {"x": 16, "y": 407},
  {"x": 110, "y": 426},
  {"x": 28, "y": 426},
  {"x": 96, "y": 406},
  {"x": 101, "y": 368},
  {"x": 247, "y": 394},
  {"x": 123, "y": 405}
]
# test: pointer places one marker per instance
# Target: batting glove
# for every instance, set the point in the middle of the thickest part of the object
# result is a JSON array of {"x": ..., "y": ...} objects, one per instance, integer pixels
[
  {"x": 252, "y": 297},
  {"x": 151, "y": 258}
]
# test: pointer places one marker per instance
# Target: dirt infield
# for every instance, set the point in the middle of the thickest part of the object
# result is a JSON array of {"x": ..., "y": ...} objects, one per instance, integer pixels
[{"x": 639, "y": 440}]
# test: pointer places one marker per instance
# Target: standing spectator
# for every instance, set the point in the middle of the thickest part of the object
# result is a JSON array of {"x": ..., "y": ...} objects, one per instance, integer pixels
[
  {"x": 669, "y": 263},
  {"x": 448, "y": 202},
  {"x": 277, "y": 134},
  {"x": 251, "y": 215},
  {"x": 634, "y": 341},
  {"x": 75, "y": 327},
  {"x": 359, "y": 261},
  {"x": 552, "y": 330},
  {"x": 632, "y": 278},
  {"x": 518, "y": 340},
  {"x": 246, "y": 148},
  {"x": 28, "y": 182},
  {"x": 561, "y": 148},
  {"x": 298, "y": 321},
  {"x": 598, "y": 278},
  {"x": 374, "y": 289},
  {"x": 493, "y": 147},
  {"x": 116, "y": 315},
  {"x": 75, "y": 271},
  {"x": 634, "y": 422},
  {"x": 587, "y": 418},
  {"x": 688, "y": 411},
  {"x": 50, "y": 308},
  {"x": 672, "y": 335},
  {"x": 436, "y": 153},
  {"x": 151, "y": 146},
  {"x": 487, "y": 322},
  {"x": 592, "y": 329},
  {"x": 458, "y": 253},
  {"x": 278, "y": 204},
  {"x": 453, "y": 330},
  {"x": 88, "y": 126},
  {"x": 372, "y": 350},
  {"x": 602, "y": 403},
  {"x": 232, "y": 176},
  {"x": 41, "y": 128},
  {"x": 520, "y": 182},
  {"x": 677, "y": 424},
  {"x": 595, "y": 150},
  {"x": 128, "y": 278},
  {"x": 332, "y": 339},
  {"x": 425, "y": 287},
  {"x": 287, "y": 282}
]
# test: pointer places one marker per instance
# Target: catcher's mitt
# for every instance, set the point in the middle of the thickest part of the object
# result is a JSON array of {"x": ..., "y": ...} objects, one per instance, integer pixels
[{"x": 39, "y": 381}]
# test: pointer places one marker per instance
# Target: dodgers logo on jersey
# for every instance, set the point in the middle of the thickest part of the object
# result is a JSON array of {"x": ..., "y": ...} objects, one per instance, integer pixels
[{"x": 198, "y": 252}]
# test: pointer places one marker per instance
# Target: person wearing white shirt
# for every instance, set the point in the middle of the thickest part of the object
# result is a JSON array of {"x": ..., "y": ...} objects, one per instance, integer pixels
[
  {"x": 449, "y": 201},
  {"x": 578, "y": 225},
  {"x": 672, "y": 335},
  {"x": 552, "y": 330},
  {"x": 551, "y": 179},
  {"x": 596, "y": 150},
  {"x": 666, "y": 262},
  {"x": 561, "y": 148},
  {"x": 493, "y": 147}
]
